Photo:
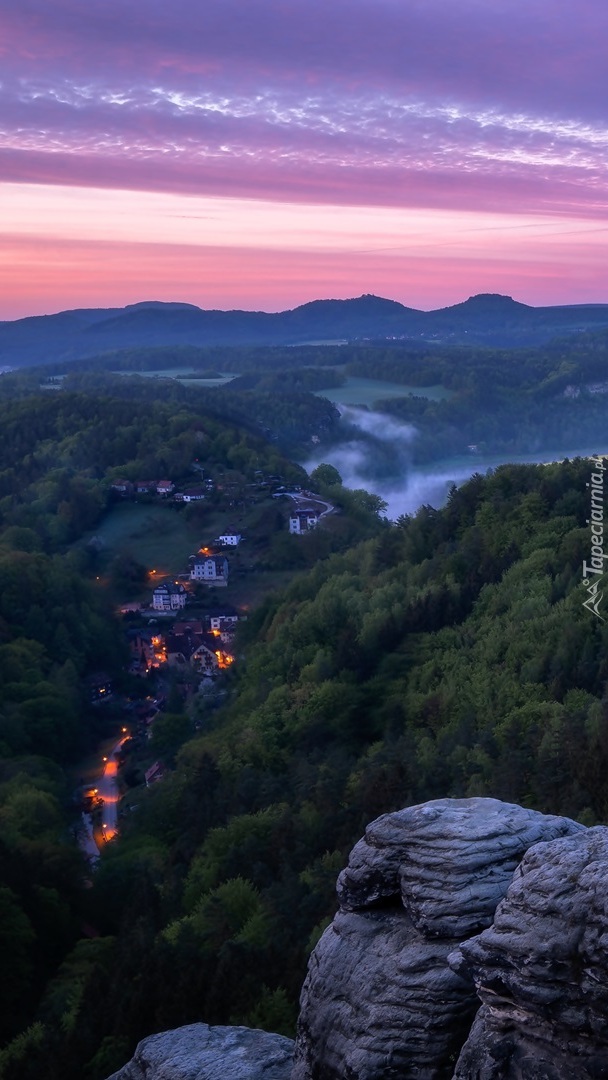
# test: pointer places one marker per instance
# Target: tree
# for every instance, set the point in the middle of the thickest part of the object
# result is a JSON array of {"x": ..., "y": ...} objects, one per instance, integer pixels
[
  {"x": 169, "y": 732},
  {"x": 325, "y": 476},
  {"x": 128, "y": 575}
]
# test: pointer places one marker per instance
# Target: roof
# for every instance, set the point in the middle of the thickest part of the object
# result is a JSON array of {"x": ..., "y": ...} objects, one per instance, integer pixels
[
  {"x": 142, "y": 634},
  {"x": 187, "y": 628},
  {"x": 218, "y": 612},
  {"x": 154, "y": 770}
]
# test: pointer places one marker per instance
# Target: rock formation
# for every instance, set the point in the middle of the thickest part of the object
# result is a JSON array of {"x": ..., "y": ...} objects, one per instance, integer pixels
[
  {"x": 380, "y": 999},
  {"x": 471, "y": 944},
  {"x": 200, "y": 1052},
  {"x": 541, "y": 969}
]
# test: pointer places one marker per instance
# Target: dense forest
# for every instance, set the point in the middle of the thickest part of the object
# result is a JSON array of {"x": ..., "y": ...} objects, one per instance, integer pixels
[
  {"x": 289, "y": 415},
  {"x": 548, "y": 399},
  {"x": 445, "y": 654},
  {"x": 60, "y": 454}
]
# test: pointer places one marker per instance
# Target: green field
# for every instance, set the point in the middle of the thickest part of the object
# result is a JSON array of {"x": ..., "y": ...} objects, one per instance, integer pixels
[
  {"x": 360, "y": 391},
  {"x": 223, "y": 381},
  {"x": 160, "y": 537},
  {"x": 181, "y": 375},
  {"x": 163, "y": 536},
  {"x": 355, "y": 391}
]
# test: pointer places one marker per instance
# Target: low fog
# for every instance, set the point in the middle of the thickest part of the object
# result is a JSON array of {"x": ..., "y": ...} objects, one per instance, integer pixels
[{"x": 377, "y": 456}]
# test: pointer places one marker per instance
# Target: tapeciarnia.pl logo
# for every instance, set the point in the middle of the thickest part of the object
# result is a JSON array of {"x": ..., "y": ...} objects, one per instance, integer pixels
[{"x": 594, "y": 569}]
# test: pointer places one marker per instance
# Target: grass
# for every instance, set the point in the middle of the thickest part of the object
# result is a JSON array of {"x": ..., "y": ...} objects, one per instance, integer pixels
[
  {"x": 356, "y": 390},
  {"x": 181, "y": 375},
  {"x": 160, "y": 537}
]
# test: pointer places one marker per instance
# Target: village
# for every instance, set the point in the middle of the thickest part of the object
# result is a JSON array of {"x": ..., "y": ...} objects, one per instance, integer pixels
[
  {"x": 181, "y": 644},
  {"x": 204, "y": 642}
]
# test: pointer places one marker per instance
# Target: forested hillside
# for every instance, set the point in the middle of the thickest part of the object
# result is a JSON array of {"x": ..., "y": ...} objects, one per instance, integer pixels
[
  {"x": 60, "y": 454},
  {"x": 487, "y": 318},
  {"x": 446, "y": 654},
  {"x": 548, "y": 399},
  {"x": 449, "y": 655}
]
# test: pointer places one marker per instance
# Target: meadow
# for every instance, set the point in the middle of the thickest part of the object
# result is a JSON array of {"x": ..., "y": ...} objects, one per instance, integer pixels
[
  {"x": 159, "y": 536},
  {"x": 163, "y": 536},
  {"x": 184, "y": 375}
]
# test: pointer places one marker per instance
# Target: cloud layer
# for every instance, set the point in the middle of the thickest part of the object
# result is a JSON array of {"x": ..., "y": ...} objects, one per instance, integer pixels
[{"x": 430, "y": 105}]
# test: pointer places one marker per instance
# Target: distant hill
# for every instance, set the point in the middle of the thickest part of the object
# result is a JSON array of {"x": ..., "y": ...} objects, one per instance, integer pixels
[{"x": 487, "y": 319}]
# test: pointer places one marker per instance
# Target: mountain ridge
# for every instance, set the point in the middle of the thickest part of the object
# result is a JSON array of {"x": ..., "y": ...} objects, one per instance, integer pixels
[{"x": 483, "y": 319}]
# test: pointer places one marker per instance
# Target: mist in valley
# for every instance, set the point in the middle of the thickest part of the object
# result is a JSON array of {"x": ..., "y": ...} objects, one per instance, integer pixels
[{"x": 376, "y": 454}]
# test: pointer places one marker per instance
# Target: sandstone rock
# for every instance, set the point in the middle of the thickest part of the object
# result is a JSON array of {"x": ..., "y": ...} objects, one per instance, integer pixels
[
  {"x": 379, "y": 1000},
  {"x": 200, "y": 1052},
  {"x": 449, "y": 862},
  {"x": 395, "y": 982},
  {"x": 541, "y": 969}
]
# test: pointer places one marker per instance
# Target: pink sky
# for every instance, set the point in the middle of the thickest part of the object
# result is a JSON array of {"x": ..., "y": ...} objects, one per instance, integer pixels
[{"x": 260, "y": 155}]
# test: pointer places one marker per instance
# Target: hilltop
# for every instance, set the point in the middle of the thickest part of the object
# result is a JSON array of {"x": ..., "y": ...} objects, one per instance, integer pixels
[{"x": 486, "y": 319}]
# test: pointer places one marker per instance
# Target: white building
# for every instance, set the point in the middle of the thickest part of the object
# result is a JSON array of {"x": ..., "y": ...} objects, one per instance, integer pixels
[
  {"x": 230, "y": 539},
  {"x": 302, "y": 521},
  {"x": 209, "y": 569},
  {"x": 169, "y": 597}
]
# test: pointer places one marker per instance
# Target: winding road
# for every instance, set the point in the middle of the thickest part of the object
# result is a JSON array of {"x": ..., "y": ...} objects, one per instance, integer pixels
[{"x": 93, "y": 836}]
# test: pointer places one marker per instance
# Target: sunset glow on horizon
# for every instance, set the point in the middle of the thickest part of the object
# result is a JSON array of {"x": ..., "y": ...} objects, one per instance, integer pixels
[{"x": 260, "y": 156}]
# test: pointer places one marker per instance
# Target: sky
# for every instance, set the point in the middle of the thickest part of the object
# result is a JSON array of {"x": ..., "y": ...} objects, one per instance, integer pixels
[{"x": 259, "y": 154}]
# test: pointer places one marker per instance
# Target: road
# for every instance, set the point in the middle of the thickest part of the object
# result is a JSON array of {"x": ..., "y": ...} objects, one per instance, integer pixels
[
  {"x": 303, "y": 500},
  {"x": 96, "y": 833},
  {"x": 107, "y": 786}
]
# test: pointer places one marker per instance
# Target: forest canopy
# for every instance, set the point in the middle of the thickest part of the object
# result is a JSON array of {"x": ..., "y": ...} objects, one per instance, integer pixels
[{"x": 447, "y": 654}]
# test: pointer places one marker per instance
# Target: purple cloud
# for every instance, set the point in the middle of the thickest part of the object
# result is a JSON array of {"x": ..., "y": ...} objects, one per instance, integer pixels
[
  {"x": 472, "y": 49},
  {"x": 451, "y": 104}
]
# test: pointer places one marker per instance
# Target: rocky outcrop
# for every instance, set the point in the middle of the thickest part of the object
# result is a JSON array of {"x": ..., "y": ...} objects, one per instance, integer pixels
[
  {"x": 471, "y": 944},
  {"x": 380, "y": 999},
  {"x": 541, "y": 969},
  {"x": 200, "y": 1052}
]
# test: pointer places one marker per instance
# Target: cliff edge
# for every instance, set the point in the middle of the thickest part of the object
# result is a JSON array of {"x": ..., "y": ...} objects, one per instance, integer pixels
[{"x": 470, "y": 944}]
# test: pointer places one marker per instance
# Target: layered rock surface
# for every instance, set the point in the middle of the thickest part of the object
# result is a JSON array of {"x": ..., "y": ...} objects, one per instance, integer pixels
[
  {"x": 471, "y": 944},
  {"x": 201, "y": 1052},
  {"x": 380, "y": 999},
  {"x": 541, "y": 969}
]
